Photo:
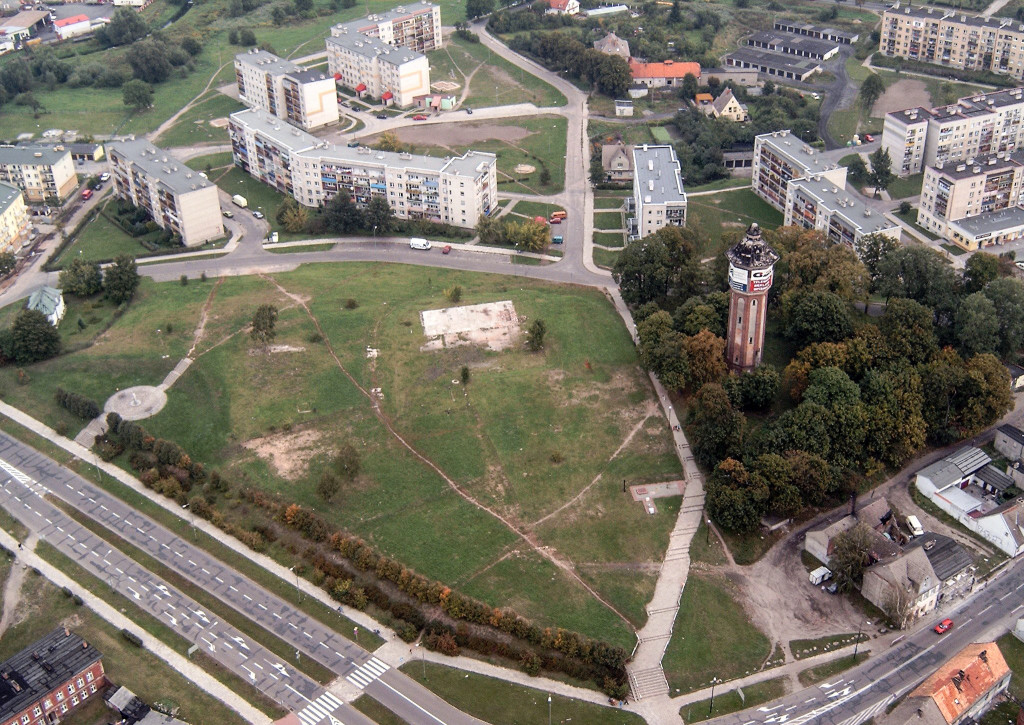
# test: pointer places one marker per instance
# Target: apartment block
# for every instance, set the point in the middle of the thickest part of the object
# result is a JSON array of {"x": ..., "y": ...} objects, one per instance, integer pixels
[
  {"x": 453, "y": 190},
  {"x": 658, "y": 196},
  {"x": 971, "y": 190},
  {"x": 779, "y": 158},
  {"x": 954, "y": 39},
  {"x": 416, "y": 26},
  {"x": 175, "y": 196},
  {"x": 986, "y": 123},
  {"x": 816, "y": 203},
  {"x": 41, "y": 172},
  {"x": 13, "y": 218},
  {"x": 302, "y": 97}
]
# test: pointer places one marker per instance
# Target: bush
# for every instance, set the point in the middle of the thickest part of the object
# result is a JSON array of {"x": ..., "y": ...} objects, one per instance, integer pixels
[
  {"x": 131, "y": 637},
  {"x": 83, "y": 407}
]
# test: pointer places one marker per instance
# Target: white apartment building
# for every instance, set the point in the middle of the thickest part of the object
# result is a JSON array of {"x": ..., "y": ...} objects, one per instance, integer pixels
[
  {"x": 779, "y": 158},
  {"x": 41, "y": 172},
  {"x": 987, "y": 123},
  {"x": 816, "y": 203},
  {"x": 451, "y": 190},
  {"x": 955, "y": 39},
  {"x": 658, "y": 196},
  {"x": 972, "y": 194},
  {"x": 175, "y": 196},
  {"x": 13, "y": 218},
  {"x": 381, "y": 55},
  {"x": 303, "y": 97}
]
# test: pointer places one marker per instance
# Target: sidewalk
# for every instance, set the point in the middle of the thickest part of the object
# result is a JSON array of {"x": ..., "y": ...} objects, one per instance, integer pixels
[{"x": 193, "y": 672}]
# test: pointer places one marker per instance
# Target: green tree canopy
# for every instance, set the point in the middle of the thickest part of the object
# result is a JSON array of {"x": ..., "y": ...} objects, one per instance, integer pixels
[
  {"x": 908, "y": 330},
  {"x": 81, "y": 278},
  {"x": 977, "y": 325},
  {"x": 121, "y": 279},
  {"x": 137, "y": 94},
  {"x": 32, "y": 338}
]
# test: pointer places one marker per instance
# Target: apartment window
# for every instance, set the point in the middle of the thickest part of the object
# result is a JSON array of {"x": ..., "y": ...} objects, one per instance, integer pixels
[{"x": 71, "y": 688}]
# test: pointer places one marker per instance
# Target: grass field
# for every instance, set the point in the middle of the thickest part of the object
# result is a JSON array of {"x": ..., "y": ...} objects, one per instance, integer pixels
[
  {"x": 661, "y": 134},
  {"x": 509, "y": 440},
  {"x": 43, "y": 608},
  {"x": 802, "y": 648},
  {"x": 504, "y": 703},
  {"x": 377, "y": 712},
  {"x": 609, "y": 239},
  {"x": 493, "y": 80},
  {"x": 608, "y": 220},
  {"x": 725, "y": 646},
  {"x": 911, "y": 218},
  {"x": 718, "y": 184},
  {"x": 536, "y": 208},
  {"x": 629, "y": 134},
  {"x": 101, "y": 240},
  {"x": 1013, "y": 651},
  {"x": 814, "y": 675},
  {"x": 605, "y": 258},
  {"x": 730, "y": 701},
  {"x": 901, "y": 188},
  {"x": 607, "y": 202},
  {"x": 725, "y": 216},
  {"x": 193, "y": 127}
]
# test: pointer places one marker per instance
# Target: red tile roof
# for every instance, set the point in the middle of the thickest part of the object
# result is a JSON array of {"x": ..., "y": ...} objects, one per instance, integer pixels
[
  {"x": 964, "y": 679},
  {"x": 558, "y": 4},
  {"x": 668, "y": 69},
  {"x": 71, "y": 21},
  {"x": 386, "y": 96}
]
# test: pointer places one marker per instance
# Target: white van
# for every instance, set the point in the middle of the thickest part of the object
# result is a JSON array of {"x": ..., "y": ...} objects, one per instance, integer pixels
[
  {"x": 914, "y": 524},
  {"x": 822, "y": 573},
  {"x": 417, "y": 243}
]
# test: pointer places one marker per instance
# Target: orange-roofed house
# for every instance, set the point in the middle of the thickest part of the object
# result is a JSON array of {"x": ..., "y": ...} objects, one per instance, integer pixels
[
  {"x": 960, "y": 691},
  {"x": 667, "y": 73},
  {"x": 563, "y": 7},
  {"x": 70, "y": 27}
]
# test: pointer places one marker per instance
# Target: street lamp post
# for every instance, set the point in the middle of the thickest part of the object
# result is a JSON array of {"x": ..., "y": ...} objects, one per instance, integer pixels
[
  {"x": 296, "y": 572},
  {"x": 856, "y": 644},
  {"x": 549, "y": 709},
  {"x": 192, "y": 518},
  {"x": 711, "y": 706}
]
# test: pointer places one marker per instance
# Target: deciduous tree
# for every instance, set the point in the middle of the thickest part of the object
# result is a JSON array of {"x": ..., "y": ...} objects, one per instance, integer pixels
[
  {"x": 264, "y": 321},
  {"x": 137, "y": 94},
  {"x": 32, "y": 338},
  {"x": 717, "y": 427},
  {"x": 121, "y": 279},
  {"x": 81, "y": 278},
  {"x": 851, "y": 555},
  {"x": 977, "y": 326},
  {"x": 535, "y": 335}
]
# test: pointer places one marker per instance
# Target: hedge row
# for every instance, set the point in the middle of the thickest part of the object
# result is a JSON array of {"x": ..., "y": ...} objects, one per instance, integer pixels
[{"x": 85, "y": 408}]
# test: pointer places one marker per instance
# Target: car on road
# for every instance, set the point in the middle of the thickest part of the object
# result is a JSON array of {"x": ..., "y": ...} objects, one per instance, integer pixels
[
  {"x": 258, "y": 214},
  {"x": 869, "y": 138},
  {"x": 105, "y": 176},
  {"x": 419, "y": 117},
  {"x": 469, "y": 111},
  {"x": 446, "y": 249},
  {"x": 1020, "y": 264},
  {"x": 944, "y": 626},
  {"x": 87, "y": 194},
  {"x": 382, "y": 116},
  {"x": 353, "y": 144},
  {"x": 229, "y": 214}
]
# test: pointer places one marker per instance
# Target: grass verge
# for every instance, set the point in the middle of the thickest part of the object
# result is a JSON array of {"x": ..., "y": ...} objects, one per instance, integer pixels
[
  {"x": 802, "y": 648},
  {"x": 733, "y": 701},
  {"x": 814, "y": 675}
]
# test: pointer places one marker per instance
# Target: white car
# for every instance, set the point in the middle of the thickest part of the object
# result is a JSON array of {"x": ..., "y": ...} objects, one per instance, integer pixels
[
  {"x": 1020, "y": 264},
  {"x": 258, "y": 214},
  {"x": 105, "y": 176}
]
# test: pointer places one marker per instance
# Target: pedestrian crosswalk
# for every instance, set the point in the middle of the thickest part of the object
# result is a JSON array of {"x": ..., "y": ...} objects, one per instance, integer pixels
[
  {"x": 367, "y": 672},
  {"x": 869, "y": 712},
  {"x": 320, "y": 710}
]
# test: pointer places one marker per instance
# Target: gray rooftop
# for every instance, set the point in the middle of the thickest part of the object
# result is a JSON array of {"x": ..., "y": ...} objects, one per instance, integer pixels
[
  {"x": 41, "y": 667},
  {"x": 991, "y": 222},
  {"x": 369, "y": 47},
  {"x": 797, "y": 153},
  {"x": 398, "y": 13},
  {"x": 817, "y": 29},
  {"x": 656, "y": 174},
  {"x": 842, "y": 202},
  {"x": 968, "y": 106},
  {"x": 994, "y": 477},
  {"x": 8, "y": 195},
  {"x": 1012, "y": 432},
  {"x": 778, "y": 61},
  {"x": 954, "y": 16},
  {"x": 790, "y": 42},
  {"x": 946, "y": 556},
  {"x": 37, "y": 155},
  {"x": 157, "y": 164},
  {"x": 44, "y": 299},
  {"x": 267, "y": 62},
  {"x": 956, "y": 466},
  {"x": 981, "y": 165},
  {"x": 306, "y": 145},
  {"x": 310, "y": 75}
]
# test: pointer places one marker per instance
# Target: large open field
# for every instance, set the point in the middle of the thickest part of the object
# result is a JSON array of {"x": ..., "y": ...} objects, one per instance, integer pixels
[
  {"x": 537, "y": 444},
  {"x": 724, "y": 216}
]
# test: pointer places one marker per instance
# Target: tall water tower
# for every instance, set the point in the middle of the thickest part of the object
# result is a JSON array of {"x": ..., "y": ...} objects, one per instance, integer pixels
[{"x": 751, "y": 263}]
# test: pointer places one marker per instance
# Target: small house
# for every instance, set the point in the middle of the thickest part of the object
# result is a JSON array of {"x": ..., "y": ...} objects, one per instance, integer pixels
[
  {"x": 73, "y": 26},
  {"x": 50, "y": 302},
  {"x": 617, "y": 162},
  {"x": 563, "y": 7},
  {"x": 726, "y": 106},
  {"x": 1010, "y": 442},
  {"x": 624, "y": 108},
  {"x": 612, "y": 44},
  {"x": 1016, "y": 376}
]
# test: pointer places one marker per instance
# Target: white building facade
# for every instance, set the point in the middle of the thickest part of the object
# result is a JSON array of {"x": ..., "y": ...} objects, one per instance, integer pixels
[
  {"x": 659, "y": 199},
  {"x": 305, "y": 98}
]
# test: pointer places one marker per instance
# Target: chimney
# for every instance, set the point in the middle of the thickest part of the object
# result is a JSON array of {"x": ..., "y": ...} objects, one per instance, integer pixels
[{"x": 67, "y": 632}]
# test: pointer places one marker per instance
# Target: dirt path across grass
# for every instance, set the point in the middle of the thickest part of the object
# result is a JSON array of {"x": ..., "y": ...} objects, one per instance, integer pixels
[
  {"x": 174, "y": 119},
  {"x": 201, "y": 326},
  {"x": 543, "y": 551},
  {"x": 13, "y": 586}
]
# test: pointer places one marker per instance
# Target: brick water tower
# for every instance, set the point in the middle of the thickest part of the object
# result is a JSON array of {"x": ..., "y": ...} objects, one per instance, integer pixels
[{"x": 751, "y": 263}]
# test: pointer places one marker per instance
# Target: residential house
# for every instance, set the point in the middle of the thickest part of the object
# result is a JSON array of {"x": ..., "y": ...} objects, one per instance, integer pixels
[
  {"x": 617, "y": 162},
  {"x": 50, "y": 302},
  {"x": 874, "y": 513},
  {"x": 49, "y": 678},
  {"x": 658, "y": 196},
  {"x": 951, "y": 562},
  {"x": 669, "y": 73},
  {"x": 781, "y": 158},
  {"x": 13, "y": 218},
  {"x": 959, "y": 692},
  {"x": 563, "y": 7},
  {"x": 41, "y": 172},
  {"x": 613, "y": 45},
  {"x": 904, "y": 587},
  {"x": 623, "y": 108},
  {"x": 1010, "y": 441},
  {"x": 728, "y": 107},
  {"x": 1016, "y": 376},
  {"x": 816, "y": 203}
]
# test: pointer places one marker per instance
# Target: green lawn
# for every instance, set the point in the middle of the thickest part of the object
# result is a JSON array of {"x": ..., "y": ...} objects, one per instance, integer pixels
[
  {"x": 193, "y": 127},
  {"x": 260, "y": 196},
  {"x": 901, "y": 188},
  {"x": 607, "y": 202},
  {"x": 736, "y": 183},
  {"x": 802, "y": 648},
  {"x": 629, "y": 134},
  {"x": 504, "y": 703},
  {"x": 101, "y": 241},
  {"x": 1013, "y": 652},
  {"x": 536, "y": 208},
  {"x": 725, "y": 646},
  {"x": 954, "y": 250},
  {"x": 724, "y": 217},
  {"x": 911, "y": 218},
  {"x": 661, "y": 134},
  {"x": 605, "y": 258},
  {"x": 377, "y": 712},
  {"x": 729, "y": 701},
  {"x": 610, "y": 239},
  {"x": 608, "y": 220},
  {"x": 814, "y": 675}
]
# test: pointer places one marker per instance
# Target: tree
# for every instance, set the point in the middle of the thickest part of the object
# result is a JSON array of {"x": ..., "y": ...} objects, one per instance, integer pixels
[
  {"x": 871, "y": 248},
  {"x": 661, "y": 350},
  {"x": 137, "y": 94},
  {"x": 125, "y": 26},
  {"x": 327, "y": 486},
  {"x": 535, "y": 335},
  {"x": 7, "y": 263},
  {"x": 1008, "y": 297},
  {"x": 149, "y": 61},
  {"x": 689, "y": 88},
  {"x": 478, "y": 8},
  {"x": 379, "y": 214},
  {"x": 32, "y": 338},
  {"x": 263, "y": 322},
  {"x": 488, "y": 229},
  {"x": 881, "y": 175},
  {"x": 976, "y": 327},
  {"x": 303, "y": 7},
  {"x": 247, "y": 37},
  {"x": 851, "y": 555},
  {"x": 81, "y": 278},
  {"x": 341, "y": 215},
  {"x": 705, "y": 353},
  {"x": 811, "y": 475},
  {"x": 735, "y": 499},
  {"x": 292, "y": 216},
  {"x": 675, "y": 15},
  {"x": 649, "y": 269},
  {"x": 980, "y": 269},
  {"x": 899, "y": 605},
  {"x": 908, "y": 330},
  {"x": 388, "y": 141},
  {"x": 191, "y": 45},
  {"x": 815, "y": 316},
  {"x": 759, "y": 387},
  {"x": 717, "y": 427},
  {"x": 919, "y": 273},
  {"x": 777, "y": 474},
  {"x": 894, "y": 426},
  {"x": 346, "y": 462},
  {"x": 871, "y": 90},
  {"x": 990, "y": 396},
  {"x": 121, "y": 279}
]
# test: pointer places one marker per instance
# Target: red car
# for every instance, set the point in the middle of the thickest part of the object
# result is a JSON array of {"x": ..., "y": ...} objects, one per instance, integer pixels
[
  {"x": 446, "y": 249},
  {"x": 419, "y": 117},
  {"x": 944, "y": 626},
  {"x": 87, "y": 194},
  {"x": 869, "y": 138}
]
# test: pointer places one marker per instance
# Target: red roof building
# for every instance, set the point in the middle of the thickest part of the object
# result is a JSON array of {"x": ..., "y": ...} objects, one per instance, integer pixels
[
  {"x": 668, "y": 73},
  {"x": 70, "y": 27},
  {"x": 563, "y": 7}
]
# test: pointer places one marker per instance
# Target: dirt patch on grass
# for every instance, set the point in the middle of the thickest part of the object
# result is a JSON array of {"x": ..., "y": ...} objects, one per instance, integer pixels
[
  {"x": 275, "y": 349},
  {"x": 288, "y": 452},
  {"x": 460, "y": 134},
  {"x": 907, "y": 93}
]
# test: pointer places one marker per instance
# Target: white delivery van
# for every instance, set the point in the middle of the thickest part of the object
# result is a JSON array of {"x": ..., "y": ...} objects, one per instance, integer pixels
[
  {"x": 822, "y": 573},
  {"x": 914, "y": 524},
  {"x": 417, "y": 243},
  {"x": 240, "y": 201}
]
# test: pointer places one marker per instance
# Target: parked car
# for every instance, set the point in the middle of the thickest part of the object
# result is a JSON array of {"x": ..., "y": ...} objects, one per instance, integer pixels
[
  {"x": 1020, "y": 264},
  {"x": 229, "y": 214},
  {"x": 419, "y": 117},
  {"x": 446, "y": 249},
  {"x": 382, "y": 116},
  {"x": 105, "y": 176},
  {"x": 87, "y": 194},
  {"x": 869, "y": 138},
  {"x": 469, "y": 111},
  {"x": 944, "y": 626},
  {"x": 258, "y": 214},
  {"x": 353, "y": 144}
]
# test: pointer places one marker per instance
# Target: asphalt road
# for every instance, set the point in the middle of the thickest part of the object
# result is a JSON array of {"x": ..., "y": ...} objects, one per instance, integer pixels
[
  {"x": 858, "y": 694},
  {"x": 31, "y": 475}
]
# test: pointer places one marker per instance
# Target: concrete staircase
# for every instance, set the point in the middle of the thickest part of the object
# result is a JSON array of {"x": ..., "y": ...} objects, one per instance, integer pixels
[{"x": 648, "y": 683}]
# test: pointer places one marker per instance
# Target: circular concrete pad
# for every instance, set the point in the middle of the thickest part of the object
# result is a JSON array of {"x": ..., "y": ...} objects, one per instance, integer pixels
[{"x": 136, "y": 403}]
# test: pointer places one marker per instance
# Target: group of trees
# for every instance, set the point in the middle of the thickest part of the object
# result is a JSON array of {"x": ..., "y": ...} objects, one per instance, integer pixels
[
  {"x": 609, "y": 74},
  {"x": 524, "y": 234},
  {"x": 84, "y": 279},
  {"x": 862, "y": 395}
]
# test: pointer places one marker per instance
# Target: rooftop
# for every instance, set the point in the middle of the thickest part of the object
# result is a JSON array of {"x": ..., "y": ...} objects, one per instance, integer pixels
[
  {"x": 991, "y": 221},
  {"x": 8, "y": 195},
  {"x": 968, "y": 106},
  {"x": 156, "y": 164},
  {"x": 42, "y": 666},
  {"x": 267, "y": 62},
  {"x": 994, "y": 477},
  {"x": 1012, "y": 432},
  {"x": 777, "y": 39},
  {"x": 752, "y": 252},
  {"x": 842, "y": 202},
  {"x": 947, "y": 557},
  {"x": 953, "y": 16},
  {"x": 656, "y": 174},
  {"x": 807, "y": 159},
  {"x": 964, "y": 679},
  {"x": 909, "y": 569},
  {"x": 981, "y": 165},
  {"x": 666, "y": 69},
  {"x": 71, "y": 21},
  {"x": 779, "y": 61},
  {"x": 38, "y": 155},
  {"x": 45, "y": 300},
  {"x": 817, "y": 29},
  {"x": 369, "y": 47},
  {"x": 24, "y": 19},
  {"x": 373, "y": 20}
]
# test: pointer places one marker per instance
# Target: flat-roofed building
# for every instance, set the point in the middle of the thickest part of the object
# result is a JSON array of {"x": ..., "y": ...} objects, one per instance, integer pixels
[
  {"x": 790, "y": 44},
  {"x": 779, "y": 158},
  {"x": 305, "y": 98},
  {"x": 745, "y": 77},
  {"x": 176, "y": 197},
  {"x": 13, "y": 218},
  {"x": 776, "y": 65},
  {"x": 815, "y": 203},
  {"x": 416, "y": 26},
  {"x": 454, "y": 190},
  {"x": 816, "y": 31},
  {"x": 41, "y": 172},
  {"x": 73, "y": 26},
  {"x": 658, "y": 196},
  {"x": 979, "y": 187}
]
